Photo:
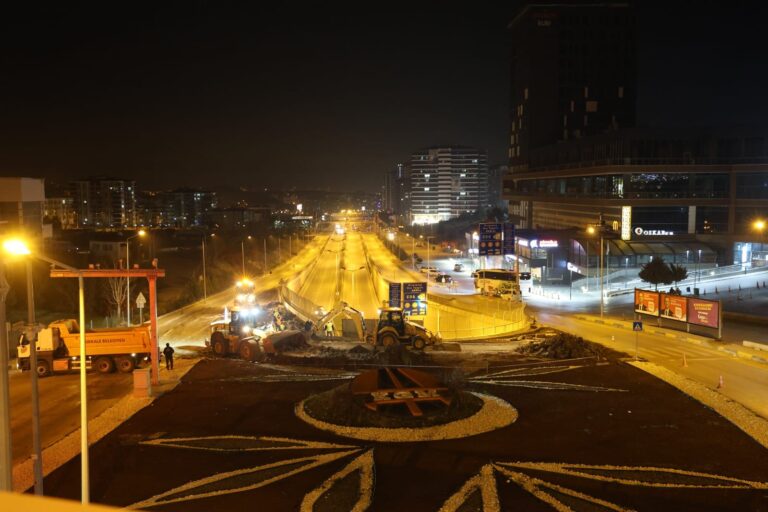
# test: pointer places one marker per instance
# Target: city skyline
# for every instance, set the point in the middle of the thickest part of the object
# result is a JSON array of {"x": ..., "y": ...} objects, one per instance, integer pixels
[{"x": 156, "y": 92}]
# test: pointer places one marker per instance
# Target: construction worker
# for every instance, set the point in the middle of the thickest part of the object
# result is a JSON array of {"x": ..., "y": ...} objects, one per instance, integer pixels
[{"x": 329, "y": 329}]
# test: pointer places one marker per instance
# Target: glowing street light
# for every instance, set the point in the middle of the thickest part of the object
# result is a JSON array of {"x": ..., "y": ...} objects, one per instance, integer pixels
[
  {"x": 19, "y": 248},
  {"x": 140, "y": 233}
]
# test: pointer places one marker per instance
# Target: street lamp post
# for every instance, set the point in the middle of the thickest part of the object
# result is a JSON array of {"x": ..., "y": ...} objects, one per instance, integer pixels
[
  {"x": 6, "y": 467},
  {"x": 698, "y": 272},
  {"x": 141, "y": 232},
  {"x": 37, "y": 455},
  {"x": 205, "y": 283},
  {"x": 18, "y": 248},
  {"x": 265, "y": 255}
]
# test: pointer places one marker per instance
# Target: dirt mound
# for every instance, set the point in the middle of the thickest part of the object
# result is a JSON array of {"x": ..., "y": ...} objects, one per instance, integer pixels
[{"x": 563, "y": 346}]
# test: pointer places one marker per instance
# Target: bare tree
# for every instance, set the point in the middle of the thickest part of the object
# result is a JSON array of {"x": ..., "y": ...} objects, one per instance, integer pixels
[{"x": 117, "y": 293}]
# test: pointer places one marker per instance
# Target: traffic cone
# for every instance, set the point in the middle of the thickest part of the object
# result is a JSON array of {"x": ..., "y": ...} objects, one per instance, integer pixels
[
  {"x": 685, "y": 361},
  {"x": 720, "y": 384}
]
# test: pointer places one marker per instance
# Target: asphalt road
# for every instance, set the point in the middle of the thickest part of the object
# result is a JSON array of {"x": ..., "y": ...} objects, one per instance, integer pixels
[
  {"x": 745, "y": 381},
  {"x": 60, "y": 394}
]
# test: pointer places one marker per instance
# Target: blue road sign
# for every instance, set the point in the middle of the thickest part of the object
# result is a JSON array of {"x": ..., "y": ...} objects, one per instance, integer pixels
[
  {"x": 637, "y": 326},
  {"x": 415, "y": 298},
  {"x": 490, "y": 239},
  {"x": 394, "y": 294}
]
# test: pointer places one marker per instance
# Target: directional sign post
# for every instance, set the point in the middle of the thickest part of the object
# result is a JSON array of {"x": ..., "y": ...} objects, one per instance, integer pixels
[
  {"x": 140, "y": 302},
  {"x": 637, "y": 327}
]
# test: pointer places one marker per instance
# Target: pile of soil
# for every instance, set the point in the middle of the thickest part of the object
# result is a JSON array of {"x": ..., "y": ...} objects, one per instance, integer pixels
[
  {"x": 340, "y": 407},
  {"x": 563, "y": 346}
]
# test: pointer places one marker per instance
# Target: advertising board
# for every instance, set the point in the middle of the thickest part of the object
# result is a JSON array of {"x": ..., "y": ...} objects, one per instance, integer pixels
[
  {"x": 704, "y": 312},
  {"x": 674, "y": 307},
  {"x": 647, "y": 302}
]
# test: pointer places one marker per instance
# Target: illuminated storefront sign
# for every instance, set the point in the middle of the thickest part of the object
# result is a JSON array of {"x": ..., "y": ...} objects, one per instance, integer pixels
[
  {"x": 652, "y": 232},
  {"x": 626, "y": 222}
]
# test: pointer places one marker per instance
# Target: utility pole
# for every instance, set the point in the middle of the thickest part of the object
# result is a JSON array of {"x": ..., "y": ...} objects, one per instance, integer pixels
[
  {"x": 265, "y": 255},
  {"x": 205, "y": 284}
]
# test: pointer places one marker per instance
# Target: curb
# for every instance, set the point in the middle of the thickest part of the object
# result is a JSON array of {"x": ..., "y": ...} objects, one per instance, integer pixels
[{"x": 735, "y": 352}]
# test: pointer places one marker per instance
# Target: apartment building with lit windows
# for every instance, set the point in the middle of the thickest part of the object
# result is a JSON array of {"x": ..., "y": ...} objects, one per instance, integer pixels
[{"x": 446, "y": 182}]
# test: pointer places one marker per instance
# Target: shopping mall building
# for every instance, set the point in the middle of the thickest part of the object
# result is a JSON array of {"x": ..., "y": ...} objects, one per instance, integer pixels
[{"x": 695, "y": 198}]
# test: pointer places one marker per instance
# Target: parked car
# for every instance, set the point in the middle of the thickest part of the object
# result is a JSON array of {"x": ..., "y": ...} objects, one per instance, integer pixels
[
  {"x": 443, "y": 278},
  {"x": 459, "y": 267},
  {"x": 428, "y": 270}
]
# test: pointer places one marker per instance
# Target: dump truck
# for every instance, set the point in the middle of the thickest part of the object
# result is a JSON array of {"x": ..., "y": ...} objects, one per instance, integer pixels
[
  {"x": 107, "y": 350},
  {"x": 392, "y": 328}
]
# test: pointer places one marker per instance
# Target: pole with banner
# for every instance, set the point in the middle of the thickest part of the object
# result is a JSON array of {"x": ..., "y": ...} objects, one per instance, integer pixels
[{"x": 140, "y": 303}]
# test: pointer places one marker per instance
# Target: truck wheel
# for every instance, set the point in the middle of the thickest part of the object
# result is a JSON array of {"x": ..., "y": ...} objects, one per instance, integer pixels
[
  {"x": 43, "y": 368},
  {"x": 125, "y": 364},
  {"x": 419, "y": 343},
  {"x": 388, "y": 340},
  {"x": 247, "y": 352},
  {"x": 219, "y": 344},
  {"x": 104, "y": 365}
]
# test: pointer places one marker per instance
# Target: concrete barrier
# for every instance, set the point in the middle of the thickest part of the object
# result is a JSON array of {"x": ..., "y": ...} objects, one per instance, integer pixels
[{"x": 755, "y": 345}]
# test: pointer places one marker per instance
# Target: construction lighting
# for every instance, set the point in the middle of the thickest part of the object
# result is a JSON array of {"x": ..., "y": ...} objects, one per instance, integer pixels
[
  {"x": 246, "y": 329},
  {"x": 142, "y": 232},
  {"x": 759, "y": 225}
]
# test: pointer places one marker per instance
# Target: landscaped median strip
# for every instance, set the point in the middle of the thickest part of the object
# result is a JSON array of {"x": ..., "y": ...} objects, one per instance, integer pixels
[{"x": 754, "y": 426}]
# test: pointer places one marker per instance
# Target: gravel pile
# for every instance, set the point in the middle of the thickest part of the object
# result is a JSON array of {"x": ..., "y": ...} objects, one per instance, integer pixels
[
  {"x": 562, "y": 346},
  {"x": 755, "y": 426}
]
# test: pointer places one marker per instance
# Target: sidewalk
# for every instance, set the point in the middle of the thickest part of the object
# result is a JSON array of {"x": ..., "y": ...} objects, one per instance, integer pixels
[
  {"x": 63, "y": 450},
  {"x": 756, "y": 352}
]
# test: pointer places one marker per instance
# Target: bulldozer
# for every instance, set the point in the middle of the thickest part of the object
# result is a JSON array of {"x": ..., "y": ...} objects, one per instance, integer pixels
[
  {"x": 392, "y": 328},
  {"x": 236, "y": 334}
]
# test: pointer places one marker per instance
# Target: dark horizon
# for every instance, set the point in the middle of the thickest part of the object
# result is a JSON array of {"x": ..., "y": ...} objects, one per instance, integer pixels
[{"x": 212, "y": 95}]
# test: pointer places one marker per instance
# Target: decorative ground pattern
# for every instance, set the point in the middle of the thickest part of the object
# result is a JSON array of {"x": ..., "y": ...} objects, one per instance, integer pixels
[{"x": 589, "y": 438}]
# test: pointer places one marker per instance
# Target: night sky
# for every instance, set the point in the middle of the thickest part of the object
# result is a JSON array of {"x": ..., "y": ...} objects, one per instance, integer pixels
[{"x": 213, "y": 93}]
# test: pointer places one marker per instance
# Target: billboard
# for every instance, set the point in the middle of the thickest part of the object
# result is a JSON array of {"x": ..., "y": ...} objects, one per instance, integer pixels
[
  {"x": 704, "y": 312},
  {"x": 509, "y": 238},
  {"x": 490, "y": 239},
  {"x": 674, "y": 307},
  {"x": 415, "y": 298},
  {"x": 647, "y": 302},
  {"x": 394, "y": 294}
]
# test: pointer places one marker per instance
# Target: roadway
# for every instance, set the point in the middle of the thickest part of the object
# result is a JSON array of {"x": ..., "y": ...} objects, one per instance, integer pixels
[
  {"x": 186, "y": 329},
  {"x": 356, "y": 284},
  {"x": 745, "y": 381}
]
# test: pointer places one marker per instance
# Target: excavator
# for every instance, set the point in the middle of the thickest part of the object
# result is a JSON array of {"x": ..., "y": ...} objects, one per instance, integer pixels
[
  {"x": 342, "y": 308},
  {"x": 392, "y": 327}
]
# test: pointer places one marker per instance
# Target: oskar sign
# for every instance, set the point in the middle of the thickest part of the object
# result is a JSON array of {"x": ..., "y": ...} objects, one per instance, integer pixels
[{"x": 640, "y": 231}]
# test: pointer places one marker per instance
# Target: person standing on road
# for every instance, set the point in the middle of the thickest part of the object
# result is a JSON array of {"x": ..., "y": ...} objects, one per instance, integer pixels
[
  {"x": 168, "y": 353},
  {"x": 329, "y": 329}
]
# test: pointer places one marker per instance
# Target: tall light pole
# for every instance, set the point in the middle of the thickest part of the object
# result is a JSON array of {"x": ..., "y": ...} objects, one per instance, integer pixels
[
  {"x": 37, "y": 455},
  {"x": 6, "y": 460},
  {"x": 592, "y": 230},
  {"x": 265, "y": 255},
  {"x": 698, "y": 272},
  {"x": 18, "y": 247},
  {"x": 205, "y": 281},
  {"x": 141, "y": 232}
]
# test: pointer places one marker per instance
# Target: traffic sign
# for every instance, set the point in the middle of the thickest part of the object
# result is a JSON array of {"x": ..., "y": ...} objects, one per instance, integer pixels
[
  {"x": 394, "y": 294},
  {"x": 140, "y": 301},
  {"x": 637, "y": 326}
]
